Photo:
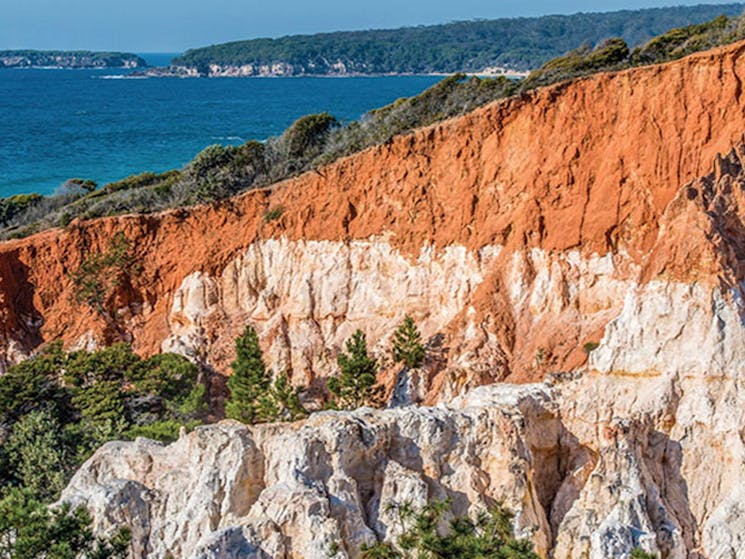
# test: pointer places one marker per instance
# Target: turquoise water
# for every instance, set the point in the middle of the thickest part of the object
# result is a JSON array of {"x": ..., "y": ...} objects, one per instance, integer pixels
[{"x": 59, "y": 124}]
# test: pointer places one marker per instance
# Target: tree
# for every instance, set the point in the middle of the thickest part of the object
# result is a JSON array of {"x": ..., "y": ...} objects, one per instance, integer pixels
[
  {"x": 250, "y": 380},
  {"x": 29, "y": 530},
  {"x": 57, "y": 408},
  {"x": 100, "y": 276},
  {"x": 407, "y": 344},
  {"x": 356, "y": 384},
  {"x": 282, "y": 401},
  {"x": 489, "y": 536},
  {"x": 37, "y": 455}
]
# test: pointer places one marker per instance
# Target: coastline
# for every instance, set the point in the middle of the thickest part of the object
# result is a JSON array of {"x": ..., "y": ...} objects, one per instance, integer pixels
[{"x": 163, "y": 72}]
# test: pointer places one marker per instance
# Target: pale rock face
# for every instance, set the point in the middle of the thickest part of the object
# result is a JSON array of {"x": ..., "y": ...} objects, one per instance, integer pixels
[
  {"x": 676, "y": 328},
  {"x": 307, "y": 297},
  {"x": 300, "y": 490},
  {"x": 593, "y": 468}
]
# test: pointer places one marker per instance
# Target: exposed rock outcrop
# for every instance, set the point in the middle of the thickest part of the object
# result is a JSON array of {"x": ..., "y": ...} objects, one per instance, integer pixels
[{"x": 628, "y": 465}]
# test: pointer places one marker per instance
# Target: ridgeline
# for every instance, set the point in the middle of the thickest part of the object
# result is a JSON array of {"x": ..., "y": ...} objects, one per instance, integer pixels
[{"x": 517, "y": 44}]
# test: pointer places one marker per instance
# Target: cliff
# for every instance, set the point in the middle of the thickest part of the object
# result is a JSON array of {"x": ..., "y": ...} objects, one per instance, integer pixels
[
  {"x": 590, "y": 235},
  {"x": 69, "y": 59},
  {"x": 486, "y": 229}
]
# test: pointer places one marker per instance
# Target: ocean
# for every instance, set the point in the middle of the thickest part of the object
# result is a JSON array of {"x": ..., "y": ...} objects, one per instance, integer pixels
[{"x": 101, "y": 125}]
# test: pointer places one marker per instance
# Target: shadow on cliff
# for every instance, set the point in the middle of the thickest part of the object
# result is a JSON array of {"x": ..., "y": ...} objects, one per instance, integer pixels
[
  {"x": 21, "y": 320},
  {"x": 663, "y": 458}
]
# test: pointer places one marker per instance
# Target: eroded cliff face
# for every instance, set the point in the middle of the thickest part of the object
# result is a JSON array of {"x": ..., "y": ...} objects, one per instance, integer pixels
[
  {"x": 513, "y": 235},
  {"x": 608, "y": 211}
]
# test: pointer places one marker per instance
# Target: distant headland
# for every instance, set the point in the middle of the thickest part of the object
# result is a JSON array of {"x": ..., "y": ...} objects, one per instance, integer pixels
[
  {"x": 491, "y": 47},
  {"x": 69, "y": 59}
]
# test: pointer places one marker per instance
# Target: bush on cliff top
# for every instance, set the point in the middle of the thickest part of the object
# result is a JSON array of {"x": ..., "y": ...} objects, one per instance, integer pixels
[{"x": 219, "y": 172}]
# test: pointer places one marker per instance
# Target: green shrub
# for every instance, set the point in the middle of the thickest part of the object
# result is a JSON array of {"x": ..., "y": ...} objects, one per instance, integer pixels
[
  {"x": 489, "y": 536},
  {"x": 58, "y": 407},
  {"x": 14, "y": 205},
  {"x": 250, "y": 379},
  {"x": 639, "y": 553},
  {"x": 609, "y": 55},
  {"x": 100, "y": 274},
  {"x": 281, "y": 402},
  {"x": 141, "y": 180},
  {"x": 254, "y": 398},
  {"x": 681, "y": 41},
  {"x": 86, "y": 185},
  {"x": 274, "y": 213},
  {"x": 308, "y": 134},
  {"x": 30, "y": 530},
  {"x": 589, "y": 347},
  {"x": 38, "y": 454}
]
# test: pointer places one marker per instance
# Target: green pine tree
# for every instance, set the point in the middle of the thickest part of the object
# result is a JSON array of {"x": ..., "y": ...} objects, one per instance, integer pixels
[
  {"x": 281, "y": 402},
  {"x": 250, "y": 380},
  {"x": 407, "y": 344},
  {"x": 356, "y": 385}
]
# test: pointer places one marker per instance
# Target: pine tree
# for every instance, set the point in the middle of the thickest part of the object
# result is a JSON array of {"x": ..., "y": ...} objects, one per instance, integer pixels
[
  {"x": 407, "y": 344},
  {"x": 250, "y": 380},
  {"x": 357, "y": 383},
  {"x": 281, "y": 402}
]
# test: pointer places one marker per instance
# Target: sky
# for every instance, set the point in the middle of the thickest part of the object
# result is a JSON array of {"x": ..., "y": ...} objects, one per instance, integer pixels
[{"x": 175, "y": 25}]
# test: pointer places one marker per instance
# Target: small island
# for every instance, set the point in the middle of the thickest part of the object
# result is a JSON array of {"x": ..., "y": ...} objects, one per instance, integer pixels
[{"x": 69, "y": 59}]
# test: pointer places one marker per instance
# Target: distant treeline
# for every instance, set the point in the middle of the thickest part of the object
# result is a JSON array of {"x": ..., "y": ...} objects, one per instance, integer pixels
[
  {"x": 471, "y": 46},
  {"x": 69, "y": 59}
]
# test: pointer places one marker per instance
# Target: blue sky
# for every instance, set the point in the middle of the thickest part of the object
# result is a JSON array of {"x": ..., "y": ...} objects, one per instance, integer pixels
[{"x": 174, "y": 25}]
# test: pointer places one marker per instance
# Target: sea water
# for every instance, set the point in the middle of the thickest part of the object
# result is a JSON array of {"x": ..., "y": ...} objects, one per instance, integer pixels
[{"x": 104, "y": 125}]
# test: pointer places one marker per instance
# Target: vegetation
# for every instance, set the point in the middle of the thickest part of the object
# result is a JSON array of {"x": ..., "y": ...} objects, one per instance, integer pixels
[
  {"x": 250, "y": 379},
  {"x": 30, "y": 530},
  {"x": 14, "y": 205},
  {"x": 68, "y": 59},
  {"x": 407, "y": 344},
  {"x": 519, "y": 43},
  {"x": 356, "y": 384},
  {"x": 639, "y": 553},
  {"x": 254, "y": 398},
  {"x": 614, "y": 54},
  {"x": 489, "y": 536},
  {"x": 58, "y": 407},
  {"x": 219, "y": 172},
  {"x": 101, "y": 274},
  {"x": 274, "y": 214},
  {"x": 55, "y": 410},
  {"x": 589, "y": 347}
]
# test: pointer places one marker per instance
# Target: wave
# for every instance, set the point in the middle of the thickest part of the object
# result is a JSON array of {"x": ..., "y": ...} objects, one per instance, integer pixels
[
  {"x": 119, "y": 77},
  {"x": 228, "y": 138}
]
